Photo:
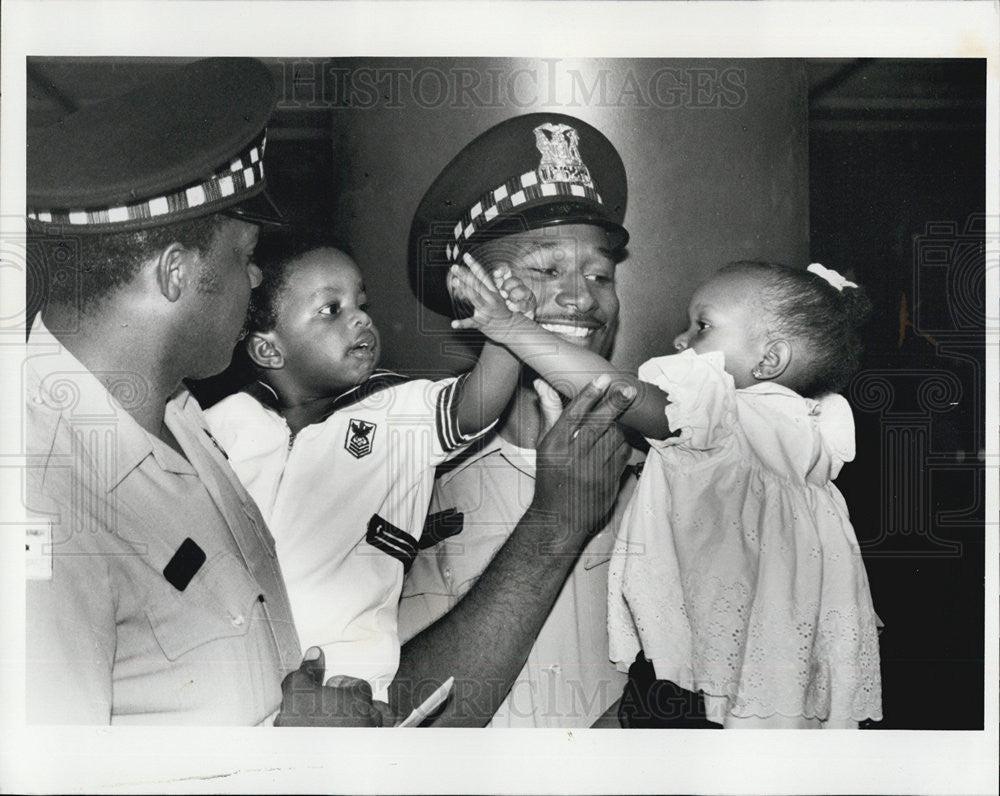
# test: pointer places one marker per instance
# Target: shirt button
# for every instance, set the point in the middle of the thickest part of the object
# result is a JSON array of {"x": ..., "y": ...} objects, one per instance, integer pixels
[
  {"x": 555, "y": 668},
  {"x": 239, "y": 620},
  {"x": 37, "y": 399},
  {"x": 447, "y": 573}
]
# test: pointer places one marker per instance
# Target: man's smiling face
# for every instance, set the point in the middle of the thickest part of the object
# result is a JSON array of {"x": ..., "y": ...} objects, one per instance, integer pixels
[{"x": 571, "y": 270}]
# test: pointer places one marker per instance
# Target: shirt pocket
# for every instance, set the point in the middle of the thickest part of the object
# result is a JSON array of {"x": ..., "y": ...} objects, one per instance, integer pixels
[{"x": 218, "y": 603}]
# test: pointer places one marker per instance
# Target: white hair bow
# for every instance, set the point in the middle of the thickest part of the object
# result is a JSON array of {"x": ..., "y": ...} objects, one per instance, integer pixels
[{"x": 831, "y": 276}]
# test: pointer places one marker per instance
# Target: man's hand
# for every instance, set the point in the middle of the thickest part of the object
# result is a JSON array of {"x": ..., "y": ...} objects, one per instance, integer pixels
[
  {"x": 550, "y": 407},
  {"x": 342, "y": 702},
  {"x": 581, "y": 458},
  {"x": 484, "y": 641}
]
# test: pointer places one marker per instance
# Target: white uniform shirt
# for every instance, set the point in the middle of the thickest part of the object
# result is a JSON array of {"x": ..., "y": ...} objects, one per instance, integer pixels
[
  {"x": 346, "y": 500},
  {"x": 568, "y": 679},
  {"x": 115, "y": 636}
]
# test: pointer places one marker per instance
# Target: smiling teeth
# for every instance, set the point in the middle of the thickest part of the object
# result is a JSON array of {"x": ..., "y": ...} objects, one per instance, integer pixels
[{"x": 568, "y": 330}]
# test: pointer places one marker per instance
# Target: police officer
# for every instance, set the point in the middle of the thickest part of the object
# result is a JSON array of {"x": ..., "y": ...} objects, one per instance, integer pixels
[
  {"x": 544, "y": 196},
  {"x": 153, "y": 594}
]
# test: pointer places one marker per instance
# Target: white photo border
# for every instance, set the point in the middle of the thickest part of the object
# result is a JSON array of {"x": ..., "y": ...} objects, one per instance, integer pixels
[{"x": 233, "y": 760}]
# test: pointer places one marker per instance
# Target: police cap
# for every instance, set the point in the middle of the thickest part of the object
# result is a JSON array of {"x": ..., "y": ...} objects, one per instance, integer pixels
[
  {"x": 532, "y": 171},
  {"x": 188, "y": 144}
]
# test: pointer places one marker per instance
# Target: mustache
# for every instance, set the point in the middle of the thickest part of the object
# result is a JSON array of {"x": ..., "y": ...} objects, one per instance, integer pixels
[{"x": 572, "y": 318}]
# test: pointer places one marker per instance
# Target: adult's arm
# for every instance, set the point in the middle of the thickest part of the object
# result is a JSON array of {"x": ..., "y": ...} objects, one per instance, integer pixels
[{"x": 484, "y": 641}]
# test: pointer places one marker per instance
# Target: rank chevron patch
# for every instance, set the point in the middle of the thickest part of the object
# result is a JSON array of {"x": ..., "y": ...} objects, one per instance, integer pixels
[{"x": 360, "y": 437}]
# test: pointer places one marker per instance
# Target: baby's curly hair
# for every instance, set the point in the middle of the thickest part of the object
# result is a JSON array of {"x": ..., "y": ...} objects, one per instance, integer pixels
[
  {"x": 274, "y": 253},
  {"x": 804, "y": 306}
]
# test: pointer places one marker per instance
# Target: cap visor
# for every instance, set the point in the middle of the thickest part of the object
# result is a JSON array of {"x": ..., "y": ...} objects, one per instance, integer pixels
[
  {"x": 258, "y": 209},
  {"x": 618, "y": 236}
]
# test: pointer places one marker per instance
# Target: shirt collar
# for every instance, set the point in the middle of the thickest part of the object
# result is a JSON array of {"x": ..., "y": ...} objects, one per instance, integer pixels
[
  {"x": 377, "y": 381},
  {"x": 58, "y": 382},
  {"x": 492, "y": 444}
]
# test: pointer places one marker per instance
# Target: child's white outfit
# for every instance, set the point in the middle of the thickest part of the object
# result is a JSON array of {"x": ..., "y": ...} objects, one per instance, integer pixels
[
  {"x": 346, "y": 500},
  {"x": 737, "y": 571}
]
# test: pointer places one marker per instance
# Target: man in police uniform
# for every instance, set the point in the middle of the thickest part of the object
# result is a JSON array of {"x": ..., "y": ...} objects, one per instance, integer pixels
[
  {"x": 542, "y": 195},
  {"x": 154, "y": 594}
]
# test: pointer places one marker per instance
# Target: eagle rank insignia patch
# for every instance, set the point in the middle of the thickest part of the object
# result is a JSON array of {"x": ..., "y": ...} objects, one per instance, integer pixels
[{"x": 360, "y": 435}]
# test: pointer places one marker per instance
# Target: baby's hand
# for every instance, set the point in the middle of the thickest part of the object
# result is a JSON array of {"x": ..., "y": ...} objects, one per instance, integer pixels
[
  {"x": 518, "y": 296},
  {"x": 494, "y": 300}
]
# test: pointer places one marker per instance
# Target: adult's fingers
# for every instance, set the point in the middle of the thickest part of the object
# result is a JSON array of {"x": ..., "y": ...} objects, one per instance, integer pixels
[
  {"x": 384, "y": 715},
  {"x": 621, "y": 454},
  {"x": 300, "y": 689},
  {"x": 598, "y": 416},
  {"x": 576, "y": 413},
  {"x": 356, "y": 695},
  {"x": 347, "y": 682},
  {"x": 610, "y": 445},
  {"x": 550, "y": 404},
  {"x": 599, "y": 429},
  {"x": 314, "y": 665}
]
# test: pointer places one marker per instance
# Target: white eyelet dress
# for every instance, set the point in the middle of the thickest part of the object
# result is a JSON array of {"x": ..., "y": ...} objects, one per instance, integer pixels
[{"x": 736, "y": 569}]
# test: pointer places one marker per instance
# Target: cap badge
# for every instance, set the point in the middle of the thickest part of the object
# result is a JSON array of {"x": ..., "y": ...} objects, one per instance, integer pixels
[
  {"x": 560, "y": 175},
  {"x": 561, "y": 161}
]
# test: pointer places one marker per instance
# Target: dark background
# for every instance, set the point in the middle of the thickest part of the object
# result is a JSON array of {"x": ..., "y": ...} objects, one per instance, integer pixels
[
  {"x": 896, "y": 198},
  {"x": 897, "y": 185}
]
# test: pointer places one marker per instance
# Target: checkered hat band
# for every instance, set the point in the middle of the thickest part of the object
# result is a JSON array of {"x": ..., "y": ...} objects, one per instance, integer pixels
[
  {"x": 239, "y": 176},
  {"x": 505, "y": 199}
]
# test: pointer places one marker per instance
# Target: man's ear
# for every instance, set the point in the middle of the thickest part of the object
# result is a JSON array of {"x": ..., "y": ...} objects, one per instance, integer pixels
[
  {"x": 777, "y": 357},
  {"x": 262, "y": 349},
  {"x": 174, "y": 266}
]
